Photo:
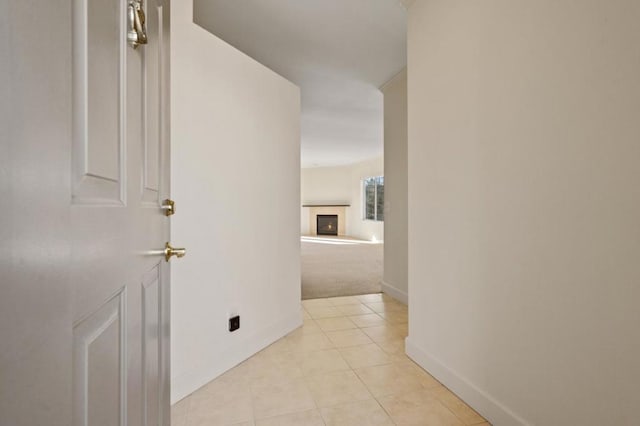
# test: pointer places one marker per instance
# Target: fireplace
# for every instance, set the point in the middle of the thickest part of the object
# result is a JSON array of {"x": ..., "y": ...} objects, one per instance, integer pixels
[{"x": 327, "y": 224}]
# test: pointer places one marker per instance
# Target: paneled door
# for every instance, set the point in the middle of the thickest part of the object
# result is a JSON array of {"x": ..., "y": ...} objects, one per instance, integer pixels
[
  {"x": 84, "y": 162},
  {"x": 120, "y": 180}
]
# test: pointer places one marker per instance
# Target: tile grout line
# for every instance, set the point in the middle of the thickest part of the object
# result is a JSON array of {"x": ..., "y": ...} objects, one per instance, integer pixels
[
  {"x": 385, "y": 323},
  {"x": 374, "y": 398}
]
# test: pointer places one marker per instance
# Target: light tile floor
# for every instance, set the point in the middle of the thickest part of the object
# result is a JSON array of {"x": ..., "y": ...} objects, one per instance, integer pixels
[{"x": 345, "y": 366}]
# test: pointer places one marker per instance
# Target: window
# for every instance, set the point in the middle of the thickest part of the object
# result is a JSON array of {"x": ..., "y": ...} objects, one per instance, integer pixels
[{"x": 373, "y": 195}]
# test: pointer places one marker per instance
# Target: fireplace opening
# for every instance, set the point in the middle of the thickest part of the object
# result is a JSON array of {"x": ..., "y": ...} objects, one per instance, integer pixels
[{"x": 327, "y": 224}]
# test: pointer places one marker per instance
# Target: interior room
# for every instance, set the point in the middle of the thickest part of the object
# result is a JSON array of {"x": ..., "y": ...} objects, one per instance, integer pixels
[{"x": 342, "y": 228}]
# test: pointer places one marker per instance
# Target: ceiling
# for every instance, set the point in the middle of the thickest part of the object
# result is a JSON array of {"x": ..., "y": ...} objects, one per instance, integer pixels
[{"x": 339, "y": 52}]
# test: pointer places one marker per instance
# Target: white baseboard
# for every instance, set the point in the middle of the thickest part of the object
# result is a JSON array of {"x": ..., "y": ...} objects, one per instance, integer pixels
[
  {"x": 479, "y": 400},
  {"x": 185, "y": 384},
  {"x": 399, "y": 295}
]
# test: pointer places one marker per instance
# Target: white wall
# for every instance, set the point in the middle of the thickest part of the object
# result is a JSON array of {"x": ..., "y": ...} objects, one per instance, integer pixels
[
  {"x": 395, "y": 279},
  {"x": 236, "y": 182},
  {"x": 342, "y": 184},
  {"x": 524, "y": 206}
]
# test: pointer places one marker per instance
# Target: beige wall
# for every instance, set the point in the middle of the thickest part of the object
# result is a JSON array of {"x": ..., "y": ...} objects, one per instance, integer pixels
[
  {"x": 395, "y": 181},
  {"x": 325, "y": 184},
  {"x": 320, "y": 185},
  {"x": 337, "y": 185},
  {"x": 236, "y": 181},
  {"x": 524, "y": 206}
]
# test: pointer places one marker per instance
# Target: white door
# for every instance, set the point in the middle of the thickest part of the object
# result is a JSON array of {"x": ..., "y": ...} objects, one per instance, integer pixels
[{"x": 85, "y": 170}]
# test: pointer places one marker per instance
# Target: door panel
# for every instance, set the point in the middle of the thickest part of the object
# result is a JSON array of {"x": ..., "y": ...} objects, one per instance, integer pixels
[
  {"x": 102, "y": 32},
  {"x": 84, "y": 308},
  {"x": 99, "y": 365},
  {"x": 151, "y": 346},
  {"x": 116, "y": 239},
  {"x": 153, "y": 119},
  {"x": 99, "y": 64}
]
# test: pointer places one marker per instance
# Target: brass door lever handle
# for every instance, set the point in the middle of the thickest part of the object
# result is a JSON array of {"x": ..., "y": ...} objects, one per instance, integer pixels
[{"x": 171, "y": 251}]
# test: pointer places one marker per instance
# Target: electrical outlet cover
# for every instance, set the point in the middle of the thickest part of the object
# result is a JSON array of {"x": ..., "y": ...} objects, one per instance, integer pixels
[{"x": 234, "y": 323}]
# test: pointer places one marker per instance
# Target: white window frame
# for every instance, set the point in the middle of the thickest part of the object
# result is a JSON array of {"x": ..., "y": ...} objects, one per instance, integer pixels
[{"x": 363, "y": 197}]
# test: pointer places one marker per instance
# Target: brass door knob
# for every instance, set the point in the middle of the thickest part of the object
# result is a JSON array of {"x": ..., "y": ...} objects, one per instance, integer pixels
[
  {"x": 169, "y": 207},
  {"x": 171, "y": 251}
]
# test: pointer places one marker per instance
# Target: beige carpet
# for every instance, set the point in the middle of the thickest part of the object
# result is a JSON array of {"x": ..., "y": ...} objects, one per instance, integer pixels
[{"x": 338, "y": 266}]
